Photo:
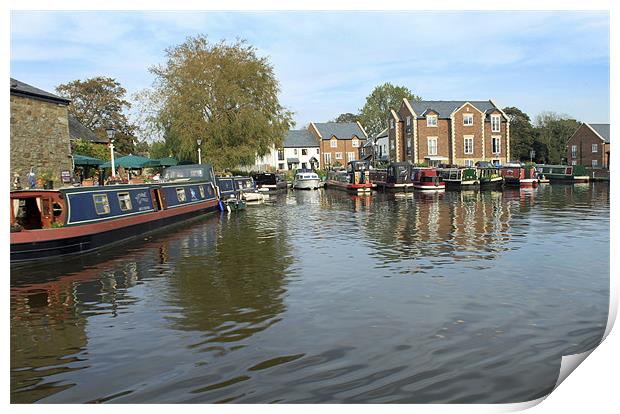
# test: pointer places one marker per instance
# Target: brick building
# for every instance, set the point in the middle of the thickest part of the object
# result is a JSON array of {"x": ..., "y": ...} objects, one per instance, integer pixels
[
  {"x": 589, "y": 146},
  {"x": 449, "y": 132},
  {"x": 39, "y": 132},
  {"x": 339, "y": 142}
]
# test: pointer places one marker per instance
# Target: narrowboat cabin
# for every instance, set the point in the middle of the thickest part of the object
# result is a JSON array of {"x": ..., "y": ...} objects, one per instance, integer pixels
[
  {"x": 459, "y": 178},
  {"x": 355, "y": 178},
  {"x": 427, "y": 179},
  {"x": 55, "y": 223},
  {"x": 563, "y": 173},
  {"x": 490, "y": 178},
  {"x": 226, "y": 187},
  {"x": 247, "y": 189},
  {"x": 396, "y": 177},
  {"x": 519, "y": 175},
  {"x": 270, "y": 182}
]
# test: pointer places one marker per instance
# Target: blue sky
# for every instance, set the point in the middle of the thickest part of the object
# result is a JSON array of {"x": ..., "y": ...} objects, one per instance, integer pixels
[{"x": 328, "y": 62}]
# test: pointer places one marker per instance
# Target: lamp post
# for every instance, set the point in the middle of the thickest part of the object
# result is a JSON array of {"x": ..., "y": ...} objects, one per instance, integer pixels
[
  {"x": 199, "y": 141},
  {"x": 111, "y": 132},
  {"x": 532, "y": 154}
]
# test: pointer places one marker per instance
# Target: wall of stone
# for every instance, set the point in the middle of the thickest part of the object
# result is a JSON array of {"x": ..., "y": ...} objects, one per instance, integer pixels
[{"x": 39, "y": 138}]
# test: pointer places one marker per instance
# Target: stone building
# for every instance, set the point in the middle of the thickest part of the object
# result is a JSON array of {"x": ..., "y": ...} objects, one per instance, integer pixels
[
  {"x": 589, "y": 146},
  {"x": 39, "y": 133},
  {"x": 449, "y": 132}
]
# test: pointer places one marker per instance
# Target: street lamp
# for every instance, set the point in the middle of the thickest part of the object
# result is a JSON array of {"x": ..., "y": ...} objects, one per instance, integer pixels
[
  {"x": 199, "y": 141},
  {"x": 111, "y": 132},
  {"x": 532, "y": 154}
]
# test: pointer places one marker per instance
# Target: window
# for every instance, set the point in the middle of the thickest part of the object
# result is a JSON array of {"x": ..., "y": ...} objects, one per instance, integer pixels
[
  {"x": 281, "y": 166},
  {"x": 495, "y": 123},
  {"x": 303, "y": 165},
  {"x": 594, "y": 148},
  {"x": 102, "y": 206},
  {"x": 573, "y": 151},
  {"x": 304, "y": 151},
  {"x": 391, "y": 124},
  {"x": 468, "y": 143},
  {"x": 328, "y": 157},
  {"x": 295, "y": 151},
  {"x": 339, "y": 155},
  {"x": 573, "y": 162},
  {"x": 497, "y": 144},
  {"x": 333, "y": 143},
  {"x": 181, "y": 195},
  {"x": 431, "y": 120},
  {"x": 408, "y": 121},
  {"x": 392, "y": 144},
  {"x": 432, "y": 145},
  {"x": 469, "y": 163},
  {"x": 318, "y": 151},
  {"x": 594, "y": 163},
  {"x": 201, "y": 189},
  {"x": 468, "y": 119},
  {"x": 408, "y": 146},
  {"x": 495, "y": 162},
  {"x": 281, "y": 154},
  {"x": 124, "y": 201},
  {"x": 350, "y": 156},
  {"x": 355, "y": 143}
]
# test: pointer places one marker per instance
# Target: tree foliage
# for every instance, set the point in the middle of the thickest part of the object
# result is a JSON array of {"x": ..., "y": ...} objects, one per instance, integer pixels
[
  {"x": 90, "y": 149},
  {"x": 347, "y": 117},
  {"x": 522, "y": 133},
  {"x": 98, "y": 103},
  {"x": 223, "y": 94},
  {"x": 373, "y": 116}
]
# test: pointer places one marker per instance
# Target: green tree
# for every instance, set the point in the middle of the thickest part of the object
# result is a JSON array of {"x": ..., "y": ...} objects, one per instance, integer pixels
[
  {"x": 99, "y": 103},
  {"x": 373, "y": 116},
  {"x": 223, "y": 94},
  {"x": 553, "y": 131},
  {"x": 522, "y": 134},
  {"x": 90, "y": 149},
  {"x": 347, "y": 117},
  {"x": 158, "y": 149}
]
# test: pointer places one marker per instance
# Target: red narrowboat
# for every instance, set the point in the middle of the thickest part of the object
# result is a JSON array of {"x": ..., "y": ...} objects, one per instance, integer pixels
[
  {"x": 355, "y": 179},
  {"x": 519, "y": 175},
  {"x": 427, "y": 179}
]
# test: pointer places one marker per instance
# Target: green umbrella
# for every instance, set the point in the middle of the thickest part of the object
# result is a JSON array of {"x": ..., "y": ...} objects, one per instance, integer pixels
[
  {"x": 84, "y": 160},
  {"x": 132, "y": 161},
  {"x": 168, "y": 161}
]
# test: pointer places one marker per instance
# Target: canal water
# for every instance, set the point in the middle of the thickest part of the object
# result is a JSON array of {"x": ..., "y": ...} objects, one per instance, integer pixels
[{"x": 324, "y": 297}]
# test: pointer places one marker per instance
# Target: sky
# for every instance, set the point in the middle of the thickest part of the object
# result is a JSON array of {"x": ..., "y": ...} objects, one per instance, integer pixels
[{"x": 328, "y": 62}]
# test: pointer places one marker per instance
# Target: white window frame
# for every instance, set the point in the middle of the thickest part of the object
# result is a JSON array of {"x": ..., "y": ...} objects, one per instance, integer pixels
[
  {"x": 328, "y": 157},
  {"x": 294, "y": 151},
  {"x": 594, "y": 148},
  {"x": 428, "y": 120},
  {"x": 102, "y": 200},
  {"x": 408, "y": 120},
  {"x": 355, "y": 143},
  {"x": 391, "y": 124},
  {"x": 338, "y": 155},
  {"x": 428, "y": 143},
  {"x": 124, "y": 198},
  {"x": 181, "y": 192},
  {"x": 496, "y": 120},
  {"x": 469, "y": 163},
  {"x": 465, "y": 139},
  {"x": 318, "y": 150},
  {"x": 470, "y": 117},
  {"x": 497, "y": 147},
  {"x": 392, "y": 144},
  {"x": 594, "y": 163},
  {"x": 573, "y": 151},
  {"x": 573, "y": 162},
  {"x": 304, "y": 149},
  {"x": 350, "y": 156}
]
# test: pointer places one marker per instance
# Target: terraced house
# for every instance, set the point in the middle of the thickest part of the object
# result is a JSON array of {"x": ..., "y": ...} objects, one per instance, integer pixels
[
  {"x": 449, "y": 132},
  {"x": 340, "y": 142}
]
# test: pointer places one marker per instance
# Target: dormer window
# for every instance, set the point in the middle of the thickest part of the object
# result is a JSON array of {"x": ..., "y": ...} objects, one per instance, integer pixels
[
  {"x": 408, "y": 121},
  {"x": 355, "y": 143},
  {"x": 495, "y": 123},
  {"x": 468, "y": 119},
  {"x": 391, "y": 124},
  {"x": 431, "y": 120},
  {"x": 333, "y": 143}
]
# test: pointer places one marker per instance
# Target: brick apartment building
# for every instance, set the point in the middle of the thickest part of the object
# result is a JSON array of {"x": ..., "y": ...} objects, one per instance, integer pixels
[
  {"x": 449, "y": 132},
  {"x": 340, "y": 142},
  {"x": 589, "y": 146}
]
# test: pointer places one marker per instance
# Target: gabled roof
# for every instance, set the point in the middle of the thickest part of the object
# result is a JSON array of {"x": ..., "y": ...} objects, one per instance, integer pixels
[
  {"x": 23, "y": 89},
  {"x": 383, "y": 133},
  {"x": 79, "y": 131},
  {"x": 341, "y": 130},
  {"x": 445, "y": 108},
  {"x": 296, "y": 138},
  {"x": 602, "y": 130}
]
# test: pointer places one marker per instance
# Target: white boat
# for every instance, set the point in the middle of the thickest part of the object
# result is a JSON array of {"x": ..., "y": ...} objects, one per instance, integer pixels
[{"x": 306, "y": 180}]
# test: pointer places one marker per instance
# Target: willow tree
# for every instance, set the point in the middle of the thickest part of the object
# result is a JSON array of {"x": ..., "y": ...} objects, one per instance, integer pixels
[{"x": 223, "y": 94}]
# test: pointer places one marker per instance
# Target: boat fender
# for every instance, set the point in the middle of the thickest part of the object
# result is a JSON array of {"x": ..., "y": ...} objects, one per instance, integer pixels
[{"x": 221, "y": 205}]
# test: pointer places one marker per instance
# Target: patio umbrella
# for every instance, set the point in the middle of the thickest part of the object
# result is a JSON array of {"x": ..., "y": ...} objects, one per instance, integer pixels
[
  {"x": 132, "y": 161},
  {"x": 84, "y": 160},
  {"x": 168, "y": 161}
]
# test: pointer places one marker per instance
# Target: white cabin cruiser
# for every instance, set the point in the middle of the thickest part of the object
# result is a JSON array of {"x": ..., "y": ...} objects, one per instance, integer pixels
[{"x": 306, "y": 180}]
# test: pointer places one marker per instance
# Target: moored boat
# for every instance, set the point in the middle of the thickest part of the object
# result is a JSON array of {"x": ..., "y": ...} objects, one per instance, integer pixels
[
  {"x": 306, "y": 180},
  {"x": 270, "y": 182},
  {"x": 459, "y": 178},
  {"x": 426, "y": 179},
  {"x": 519, "y": 175},
  {"x": 563, "y": 173},
  {"x": 354, "y": 179},
  {"x": 247, "y": 189},
  {"x": 490, "y": 178},
  {"x": 226, "y": 187},
  {"x": 54, "y": 223},
  {"x": 396, "y": 177}
]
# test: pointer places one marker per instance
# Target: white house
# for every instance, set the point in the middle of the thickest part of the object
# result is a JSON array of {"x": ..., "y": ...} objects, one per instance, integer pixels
[{"x": 300, "y": 150}]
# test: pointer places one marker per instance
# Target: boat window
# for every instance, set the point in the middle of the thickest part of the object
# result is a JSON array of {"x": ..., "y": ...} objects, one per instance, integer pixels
[
  {"x": 124, "y": 201},
  {"x": 57, "y": 209},
  {"x": 102, "y": 205},
  {"x": 181, "y": 195},
  {"x": 201, "y": 188}
]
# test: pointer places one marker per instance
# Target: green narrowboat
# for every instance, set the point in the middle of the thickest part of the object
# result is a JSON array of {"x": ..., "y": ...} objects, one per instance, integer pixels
[
  {"x": 459, "y": 178},
  {"x": 490, "y": 178},
  {"x": 563, "y": 173}
]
